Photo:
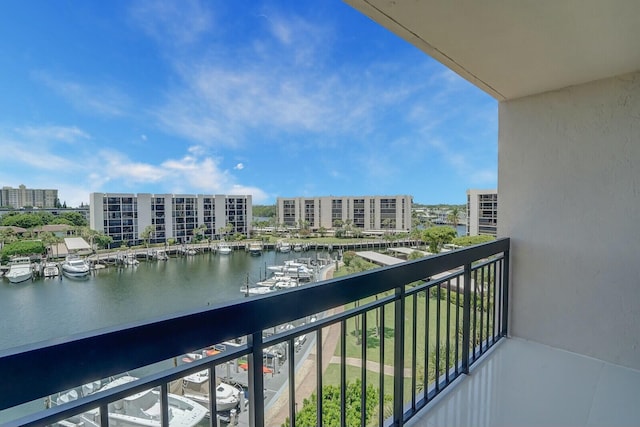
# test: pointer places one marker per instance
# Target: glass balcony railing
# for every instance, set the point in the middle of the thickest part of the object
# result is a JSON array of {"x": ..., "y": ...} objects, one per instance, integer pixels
[{"x": 379, "y": 344}]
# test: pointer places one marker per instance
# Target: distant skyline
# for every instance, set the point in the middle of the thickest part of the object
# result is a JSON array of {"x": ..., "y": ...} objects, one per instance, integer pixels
[{"x": 272, "y": 99}]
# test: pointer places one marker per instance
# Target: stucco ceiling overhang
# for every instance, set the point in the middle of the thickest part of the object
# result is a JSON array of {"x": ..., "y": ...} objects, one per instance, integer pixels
[{"x": 515, "y": 48}]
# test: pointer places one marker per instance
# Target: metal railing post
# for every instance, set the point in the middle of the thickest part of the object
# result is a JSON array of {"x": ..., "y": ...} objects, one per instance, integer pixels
[
  {"x": 398, "y": 357},
  {"x": 505, "y": 294},
  {"x": 466, "y": 318},
  {"x": 256, "y": 380}
]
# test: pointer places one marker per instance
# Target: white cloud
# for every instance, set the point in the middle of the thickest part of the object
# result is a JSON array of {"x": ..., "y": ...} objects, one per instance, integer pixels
[
  {"x": 53, "y": 133},
  {"x": 172, "y": 23},
  {"x": 239, "y": 166},
  {"x": 42, "y": 156}
]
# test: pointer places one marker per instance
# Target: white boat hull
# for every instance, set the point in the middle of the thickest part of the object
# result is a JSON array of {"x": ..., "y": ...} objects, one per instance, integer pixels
[
  {"x": 20, "y": 270},
  {"x": 75, "y": 267},
  {"x": 19, "y": 276},
  {"x": 224, "y": 250}
]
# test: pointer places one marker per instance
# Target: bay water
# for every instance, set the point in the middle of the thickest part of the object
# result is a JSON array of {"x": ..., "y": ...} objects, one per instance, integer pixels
[{"x": 39, "y": 310}]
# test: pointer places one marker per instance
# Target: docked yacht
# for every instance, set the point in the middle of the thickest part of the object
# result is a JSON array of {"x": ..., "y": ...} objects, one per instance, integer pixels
[
  {"x": 142, "y": 409},
  {"x": 224, "y": 248},
  {"x": 294, "y": 269},
  {"x": 196, "y": 388},
  {"x": 74, "y": 266},
  {"x": 255, "y": 248},
  {"x": 19, "y": 270},
  {"x": 284, "y": 247}
]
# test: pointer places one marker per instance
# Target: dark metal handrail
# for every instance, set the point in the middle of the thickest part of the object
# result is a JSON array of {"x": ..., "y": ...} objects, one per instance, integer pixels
[{"x": 36, "y": 370}]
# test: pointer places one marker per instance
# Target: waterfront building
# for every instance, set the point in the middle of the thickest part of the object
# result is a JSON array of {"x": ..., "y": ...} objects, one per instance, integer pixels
[
  {"x": 125, "y": 216},
  {"x": 23, "y": 197},
  {"x": 482, "y": 212},
  {"x": 366, "y": 213}
]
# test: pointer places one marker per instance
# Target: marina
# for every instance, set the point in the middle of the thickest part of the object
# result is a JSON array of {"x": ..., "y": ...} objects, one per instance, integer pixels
[
  {"x": 45, "y": 308},
  {"x": 51, "y": 308}
]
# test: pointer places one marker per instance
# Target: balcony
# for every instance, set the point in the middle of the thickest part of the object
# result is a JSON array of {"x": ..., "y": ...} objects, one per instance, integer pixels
[{"x": 407, "y": 332}]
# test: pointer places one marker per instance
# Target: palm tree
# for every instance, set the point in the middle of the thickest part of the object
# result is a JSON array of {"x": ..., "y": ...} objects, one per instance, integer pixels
[
  {"x": 227, "y": 229},
  {"x": 146, "y": 234},
  {"x": 454, "y": 216},
  {"x": 200, "y": 231}
]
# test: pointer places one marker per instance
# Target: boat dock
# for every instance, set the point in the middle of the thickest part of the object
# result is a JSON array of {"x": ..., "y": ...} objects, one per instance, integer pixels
[
  {"x": 116, "y": 257},
  {"x": 380, "y": 259}
]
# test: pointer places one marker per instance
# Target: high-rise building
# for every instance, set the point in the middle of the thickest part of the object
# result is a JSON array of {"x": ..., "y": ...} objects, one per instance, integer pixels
[
  {"x": 125, "y": 216},
  {"x": 367, "y": 213},
  {"x": 23, "y": 197},
  {"x": 482, "y": 212}
]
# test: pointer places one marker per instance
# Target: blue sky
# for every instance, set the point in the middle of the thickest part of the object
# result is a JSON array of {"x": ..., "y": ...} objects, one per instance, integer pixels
[{"x": 283, "y": 98}]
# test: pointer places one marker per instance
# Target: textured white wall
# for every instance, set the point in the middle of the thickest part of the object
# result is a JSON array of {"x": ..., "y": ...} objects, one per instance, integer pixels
[{"x": 569, "y": 184}]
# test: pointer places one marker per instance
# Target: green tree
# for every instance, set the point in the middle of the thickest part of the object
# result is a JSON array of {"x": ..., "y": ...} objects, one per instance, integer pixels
[
  {"x": 347, "y": 257},
  {"x": 331, "y": 413},
  {"x": 472, "y": 240},
  {"x": 437, "y": 236},
  {"x": 415, "y": 255},
  {"x": 102, "y": 240},
  {"x": 454, "y": 216},
  {"x": 147, "y": 234},
  {"x": 200, "y": 232},
  {"x": 226, "y": 230},
  {"x": 322, "y": 231},
  {"x": 264, "y": 210},
  {"x": 75, "y": 218},
  {"x": 23, "y": 247},
  {"x": 25, "y": 220}
]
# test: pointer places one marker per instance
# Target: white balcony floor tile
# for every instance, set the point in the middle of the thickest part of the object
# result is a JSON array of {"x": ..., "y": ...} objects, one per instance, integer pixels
[{"x": 523, "y": 383}]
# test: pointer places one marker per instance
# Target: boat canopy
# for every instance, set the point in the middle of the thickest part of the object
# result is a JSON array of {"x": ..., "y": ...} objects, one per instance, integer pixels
[{"x": 75, "y": 244}]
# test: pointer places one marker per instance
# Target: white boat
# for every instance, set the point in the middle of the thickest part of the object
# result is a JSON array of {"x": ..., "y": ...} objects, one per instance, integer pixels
[
  {"x": 129, "y": 259},
  {"x": 196, "y": 388},
  {"x": 158, "y": 255},
  {"x": 297, "y": 247},
  {"x": 280, "y": 281},
  {"x": 143, "y": 409},
  {"x": 285, "y": 247},
  {"x": 188, "y": 251},
  {"x": 293, "y": 269},
  {"x": 255, "y": 248},
  {"x": 19, "y": 270},
  {"x": 224, "y": 248},
  {"x": 50, "y": 269},
  {"x": 74, "y": 266},
  {"x": 258, "y": 290}
]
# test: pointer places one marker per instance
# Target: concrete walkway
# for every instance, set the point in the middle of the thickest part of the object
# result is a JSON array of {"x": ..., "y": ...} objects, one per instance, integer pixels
[{"x": 371, "y": 365}]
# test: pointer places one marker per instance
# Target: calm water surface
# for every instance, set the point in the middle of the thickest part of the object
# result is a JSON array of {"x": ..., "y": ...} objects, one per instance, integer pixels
[{"x": 51, "y": 308}]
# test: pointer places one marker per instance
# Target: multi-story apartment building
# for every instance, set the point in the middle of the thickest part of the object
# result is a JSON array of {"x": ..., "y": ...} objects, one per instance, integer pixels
[
  {"x": 22, "y": 197},
  {"x": 367, "y": 213},
  {"x": 482, "y": 212},
  {"x": 173, "y": 216}
]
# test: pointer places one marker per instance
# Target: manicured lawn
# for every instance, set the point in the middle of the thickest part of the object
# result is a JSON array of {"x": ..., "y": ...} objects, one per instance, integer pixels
[{"x": 427, "y": 315}]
